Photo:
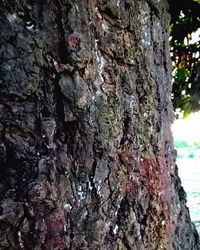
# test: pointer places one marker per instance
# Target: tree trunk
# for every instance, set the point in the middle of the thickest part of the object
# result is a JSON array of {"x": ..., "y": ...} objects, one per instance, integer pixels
[{"x": 86, "y": 152}]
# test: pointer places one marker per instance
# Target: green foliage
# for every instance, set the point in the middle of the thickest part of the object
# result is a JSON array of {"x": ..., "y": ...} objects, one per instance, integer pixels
[
  {"x": 181, "y": 144},
  {"x": 185, "y": 55},
  {"x": 191, "y": 155},
  {"x": 196, "y": 144}
]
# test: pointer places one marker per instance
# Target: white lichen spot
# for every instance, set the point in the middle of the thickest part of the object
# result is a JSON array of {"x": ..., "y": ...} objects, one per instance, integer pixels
[
  {"x": 104, "y": 26},
  {"x": 90, "y": 120},
  {"x": 96, "y": 50},
  {"x": 157, "y": 31},
  {"x": 98, "y": 189},
  {"x": 90, "y": 186},
  {"x": 145, "y": 24},
  {"x": 20, "y": 13},
  {"x": 115, "y": 229},
  {"x": 11, "y": 17},
  {"x": 82, "y": 100},
  {"x": 146, "y": 40},
  {"x": 163, "y": 223},
  {"x": 131, "y": 104},
  {"x": 30, "y": 27},
  {"x": 20, "y": 240},
  {"x": 98, "y": 92},
  {"x": 80, "y": 193},
  {"x": 28, "y": 23},
  {"x": 118, "y": 3},
  {"x": 77, "y": 8},
  {"x": 144, "y": 14},
  {"x": 101, "y": 64},
  {"x": 67, "y": 206},
  {"x": 85, "y": 214}
]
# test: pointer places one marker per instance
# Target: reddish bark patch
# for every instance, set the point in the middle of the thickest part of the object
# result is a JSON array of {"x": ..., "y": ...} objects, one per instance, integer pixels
[
  {"x": 131, "y": 187},
  {"x": 107, "y": 76},
  {"x": 73, "y": 41},
  {"x": 56, "y": 243},
  {"x": 55, "y": 230},
  {"x": 156, "y": 172},
  {"x": 126, "y": 155}
]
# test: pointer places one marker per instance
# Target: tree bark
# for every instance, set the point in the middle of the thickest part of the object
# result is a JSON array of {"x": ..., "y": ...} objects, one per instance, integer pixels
[{"x": 86, "y": 151}]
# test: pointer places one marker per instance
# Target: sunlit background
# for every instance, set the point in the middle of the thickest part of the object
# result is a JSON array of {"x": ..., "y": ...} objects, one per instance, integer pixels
[
  {"x": 187, "y": 129},
  {"x": 186, "y": 134}
]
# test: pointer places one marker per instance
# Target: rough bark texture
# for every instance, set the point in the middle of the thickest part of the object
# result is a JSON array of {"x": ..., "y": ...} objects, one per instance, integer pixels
[{"x": 86, "y": 154}]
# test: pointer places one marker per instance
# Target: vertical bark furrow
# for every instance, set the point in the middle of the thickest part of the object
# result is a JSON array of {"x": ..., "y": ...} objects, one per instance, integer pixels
[{"x": 86, "y": 154}]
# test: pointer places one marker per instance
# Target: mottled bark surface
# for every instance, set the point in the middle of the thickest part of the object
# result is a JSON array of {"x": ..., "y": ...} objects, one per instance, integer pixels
[{"x": 86, "y": 154}]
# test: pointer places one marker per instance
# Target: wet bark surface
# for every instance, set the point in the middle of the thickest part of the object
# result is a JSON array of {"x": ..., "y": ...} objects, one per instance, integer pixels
[{"x": 86, "y": 152}]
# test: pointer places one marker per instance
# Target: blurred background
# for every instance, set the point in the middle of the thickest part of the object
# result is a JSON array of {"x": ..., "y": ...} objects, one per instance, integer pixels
[{"x": 186, "y": 134}]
